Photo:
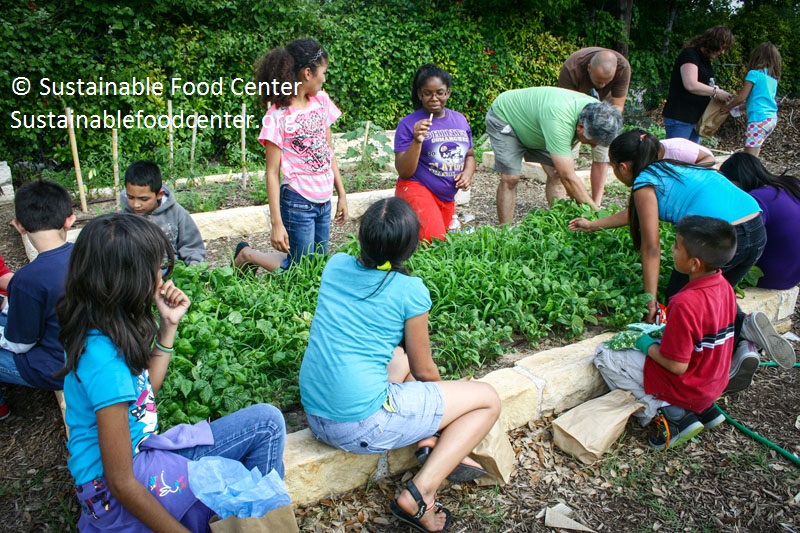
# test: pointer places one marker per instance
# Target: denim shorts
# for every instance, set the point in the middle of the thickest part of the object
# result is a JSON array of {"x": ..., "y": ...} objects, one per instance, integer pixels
[
  {"x": 307, "y": 223},
  {"x": 418, "y": 409}
]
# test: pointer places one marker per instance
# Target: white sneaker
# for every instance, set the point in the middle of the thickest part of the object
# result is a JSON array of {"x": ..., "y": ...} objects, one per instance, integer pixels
[
  {"x": 744, "y": 364},
  {"x": 758, "y": 329}
]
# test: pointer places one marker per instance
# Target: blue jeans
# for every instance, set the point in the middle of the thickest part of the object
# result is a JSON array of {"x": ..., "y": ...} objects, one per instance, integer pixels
[
  {"x": 684, "y": 130},
  {"x": 255, "y": 436},
  {"x": 8, "y": 368},
  {"x": 307, "y": 223}
]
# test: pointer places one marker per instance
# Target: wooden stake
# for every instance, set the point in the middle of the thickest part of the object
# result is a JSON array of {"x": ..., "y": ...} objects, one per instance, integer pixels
[
  {"x": 194, "y": 138},
  {"x": 244, "y": 159},
  {"x": 171, "y": 151},
  {"x": 366, "y": 141},
  {"x": 75, "y": 159},
  {"x": 115, "y": 163}
]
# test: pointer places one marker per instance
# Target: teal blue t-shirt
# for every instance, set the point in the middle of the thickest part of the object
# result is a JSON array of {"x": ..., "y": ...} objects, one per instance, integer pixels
[
  {"x": 354, "y": 332},
  {"x": 761, "y": 103},
  {"x": 695, "y": 191},
  {"x": 105, "y": 380}
]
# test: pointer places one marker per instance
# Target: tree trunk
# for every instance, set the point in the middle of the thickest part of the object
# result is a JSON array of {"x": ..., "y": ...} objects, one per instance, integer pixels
[
  {"x": 672, "y": 13},
  {"x": 625, "y": 14}
]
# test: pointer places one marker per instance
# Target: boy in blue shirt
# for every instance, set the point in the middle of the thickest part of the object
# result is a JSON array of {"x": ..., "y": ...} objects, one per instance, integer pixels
[{"x": 30, "y": 352}]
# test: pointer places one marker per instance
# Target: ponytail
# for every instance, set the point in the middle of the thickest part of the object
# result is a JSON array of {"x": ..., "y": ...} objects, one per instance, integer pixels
[
  {"x": 639, "y": 149},
  {"x": 283, "y": 65}
]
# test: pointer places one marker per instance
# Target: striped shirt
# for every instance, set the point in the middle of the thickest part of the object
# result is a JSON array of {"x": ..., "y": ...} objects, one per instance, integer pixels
[{"x": 306, "y": 156}]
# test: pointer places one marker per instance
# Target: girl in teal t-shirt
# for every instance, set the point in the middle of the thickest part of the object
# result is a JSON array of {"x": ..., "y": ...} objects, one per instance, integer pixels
[
  {"x": 759, "y": 91},
  {"x": 365, "y": 394},
  {"x": 665, "y": 190},
  {"x": 119, "y": 316}
]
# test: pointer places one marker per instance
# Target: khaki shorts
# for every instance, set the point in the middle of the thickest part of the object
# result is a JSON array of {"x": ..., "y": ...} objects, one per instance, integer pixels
[
  {"x": 599, "y": 153},
  {"x": 509, "y": 150}
]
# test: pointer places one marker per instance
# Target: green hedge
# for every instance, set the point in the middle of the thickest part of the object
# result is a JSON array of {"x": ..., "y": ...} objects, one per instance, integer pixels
[
  {"x": 374, "y": 47},
  {"x": 374, "y": 50}
]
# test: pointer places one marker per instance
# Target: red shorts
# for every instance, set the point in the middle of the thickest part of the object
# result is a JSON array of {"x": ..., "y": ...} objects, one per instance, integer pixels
[{"x": 434, "y": 215}]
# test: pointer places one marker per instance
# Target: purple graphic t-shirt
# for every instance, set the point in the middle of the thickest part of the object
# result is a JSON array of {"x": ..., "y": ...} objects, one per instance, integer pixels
[{"x": 443, "y": 150}]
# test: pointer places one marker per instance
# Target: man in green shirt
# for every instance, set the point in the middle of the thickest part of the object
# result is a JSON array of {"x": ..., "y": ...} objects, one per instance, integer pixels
[{"x": 541, "y": 124}]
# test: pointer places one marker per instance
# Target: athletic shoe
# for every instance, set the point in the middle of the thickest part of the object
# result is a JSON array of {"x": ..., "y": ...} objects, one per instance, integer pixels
[
  {"x": 744, "y": 364},
  {"x": 711, "y": 417},
  {"x": 757, "y": 328},
  {"x": 5, "y": 412},
  {"x": 674, "y": 426}
]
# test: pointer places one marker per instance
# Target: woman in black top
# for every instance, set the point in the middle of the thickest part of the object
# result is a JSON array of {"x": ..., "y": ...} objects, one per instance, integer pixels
[{"x": 692, "y": 82}]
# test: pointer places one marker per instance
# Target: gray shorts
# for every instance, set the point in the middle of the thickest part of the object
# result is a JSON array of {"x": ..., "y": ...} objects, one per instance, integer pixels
[
  {"x": 415, "y": 411},
  {"x": 599, "y": 153},
  {"x": 624, "y": 369},
  {"x": 508, "y": 150}
]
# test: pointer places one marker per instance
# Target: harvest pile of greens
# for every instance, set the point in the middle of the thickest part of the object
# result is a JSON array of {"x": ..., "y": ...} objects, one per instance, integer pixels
[{"x": 244, "y": 337}]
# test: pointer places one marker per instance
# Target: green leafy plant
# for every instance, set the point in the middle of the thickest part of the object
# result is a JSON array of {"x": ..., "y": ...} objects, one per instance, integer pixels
[
  {"x": 372, "y": 154},
  {"x": 244, "y": 337}
]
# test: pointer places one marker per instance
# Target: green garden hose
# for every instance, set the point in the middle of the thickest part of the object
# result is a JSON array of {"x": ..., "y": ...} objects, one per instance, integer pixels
[{"x": 758, "y": 438}]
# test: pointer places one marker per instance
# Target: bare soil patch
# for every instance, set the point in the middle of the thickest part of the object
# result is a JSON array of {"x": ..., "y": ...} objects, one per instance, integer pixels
[{"x": 722, "y": 481}]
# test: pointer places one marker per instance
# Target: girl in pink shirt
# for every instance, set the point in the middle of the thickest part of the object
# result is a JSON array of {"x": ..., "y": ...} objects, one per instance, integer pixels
[{"x": 301, "y": 165}]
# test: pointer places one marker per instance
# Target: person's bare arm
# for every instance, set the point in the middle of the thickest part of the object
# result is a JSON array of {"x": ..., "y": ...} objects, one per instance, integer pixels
[
  {"x": 689, "y": 73},
  {"x": 114, "y": 437},
  {"x": 279, "y": 236},
  {"x": 418, "y": 348},
  {"x": 740, "y": 97},
  {"x": 565, "y": 167},
  {"x": 616, "y": 220},
  {"x": 464, "y": 178},
  {"x": 4, "y": 279},
  {"x": 647, "y": 211},
  {"x": 619, "y": 103},
  {"x": 654, "y": 353},
  {"x": 342, "y": 211},
  {"x": 406, "y": 162}
]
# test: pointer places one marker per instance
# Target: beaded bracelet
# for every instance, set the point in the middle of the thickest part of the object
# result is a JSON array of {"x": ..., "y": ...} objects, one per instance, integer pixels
[{"x": 163, "y": 348}]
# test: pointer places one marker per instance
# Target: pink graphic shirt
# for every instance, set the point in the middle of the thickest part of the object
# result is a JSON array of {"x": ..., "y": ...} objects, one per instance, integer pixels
[{"x": 306, "y": 157}]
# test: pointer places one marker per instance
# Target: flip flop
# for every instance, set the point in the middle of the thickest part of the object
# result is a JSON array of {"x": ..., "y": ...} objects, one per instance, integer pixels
[
  {"x": 247, "y": 267},
  {"x": 412, "y": 520},
  {"x": 462, "y": 472}
]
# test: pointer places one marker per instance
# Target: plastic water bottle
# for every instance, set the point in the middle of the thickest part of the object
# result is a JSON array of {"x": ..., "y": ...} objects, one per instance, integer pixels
[
  {"x": 455, "y": 225},
  {"x": 468, "y": 226}
]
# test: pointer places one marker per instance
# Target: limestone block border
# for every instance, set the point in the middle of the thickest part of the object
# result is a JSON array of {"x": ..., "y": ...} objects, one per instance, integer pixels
[{"x": 547, "y": 382}]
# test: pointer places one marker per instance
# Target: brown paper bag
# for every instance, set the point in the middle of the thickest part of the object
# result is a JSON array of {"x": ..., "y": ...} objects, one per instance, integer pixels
[
  {"x": 712, "y": 119},
  {"x": 496, "y": 456},
  {"x": 588, "y": 430},
  {"x": 280, "y": 520}
]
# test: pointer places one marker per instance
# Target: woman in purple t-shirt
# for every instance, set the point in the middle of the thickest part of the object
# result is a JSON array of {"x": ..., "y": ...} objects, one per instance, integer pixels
[
  {"x": 433, "y": 153},
  {"x": 779, "y": 199}
]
